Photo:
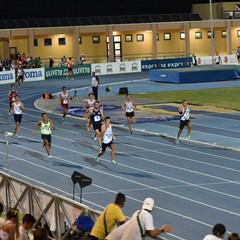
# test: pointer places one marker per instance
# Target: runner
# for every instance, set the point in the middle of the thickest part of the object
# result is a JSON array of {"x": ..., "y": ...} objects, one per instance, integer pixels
[
  {"x": 46, "y": 126},
  {"x": 108, "y": 136},
  {"x": 70, "y": 69},
  {"x": 64, "y": 102},
  {"x": 129, "y": 106},
  {"x": 17, "y": 108},
  {"x": 11, "y": 96},
  {"x": 184, "y": 112},
  {"x": 88, "y": 104},
  {"x": 97, "y": 117},
  {"x": 20, "y": 75}
]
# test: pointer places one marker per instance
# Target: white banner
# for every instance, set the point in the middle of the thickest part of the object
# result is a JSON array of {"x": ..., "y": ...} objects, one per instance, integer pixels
[
  {"x": 7, "y": 76},
  {"x": 225, "y": 59},
  {"x": 116, "y": 67},
  {"x": 34, "y": 74}
]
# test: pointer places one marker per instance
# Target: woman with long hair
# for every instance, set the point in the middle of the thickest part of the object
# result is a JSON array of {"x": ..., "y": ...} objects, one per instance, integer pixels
[{"x": 10, "y": 229}]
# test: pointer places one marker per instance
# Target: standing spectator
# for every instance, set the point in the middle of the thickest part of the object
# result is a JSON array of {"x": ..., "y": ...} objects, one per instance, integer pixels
[
  {"x": 46, "y": 126},
  {"x": 27, "y": 223},
  {"x": 51, "y": 62},
  {"x": 111, "y": 215},
  {"x": 195, "y": 62},
  {"x": 141, "y": 223},
  {"x": 95, "y": 84},
  {"x": 18, "y": 108},
  {"x": 11, "y": 96},
  {"x": 82, "y": 59},
  {"x": 238, "y": 54},
  {"x": 70, "y": 68},
  {"x": 20, "y": 75},
  {"x": 218, "y": 232},
  {"x": 10, "y": 228},
  {"x": 217, "y": 59}
]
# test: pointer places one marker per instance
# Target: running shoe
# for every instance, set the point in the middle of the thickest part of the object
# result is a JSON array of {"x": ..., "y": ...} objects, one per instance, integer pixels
[
  {"x": 19, "y": 137},
  {"x": 49, "y": 156},
  {"x": 114, "y": 162},
  {"x": 188, "y": 137},
  {"x": 63, "y": 119},
  {"x": 97, "y": 159},
  {"x": 177, "y": 141},
  {"x": 95, "y": 137},
  {"x": 15, "y": 131}
]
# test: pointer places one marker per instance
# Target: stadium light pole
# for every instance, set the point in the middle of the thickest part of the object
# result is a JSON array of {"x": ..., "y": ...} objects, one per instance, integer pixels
[{"x": 211, "y": 27}]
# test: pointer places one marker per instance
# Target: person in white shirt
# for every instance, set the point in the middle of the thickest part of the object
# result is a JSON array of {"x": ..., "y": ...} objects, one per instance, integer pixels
[
  {"x": 27, "y": 223},
  {"x": 141, "y": 223},
  {"x": 95, "y": 84},
  {"x": 107, "y": 141},
  {"x": 17, "y": 108},
  {"x": 218, "y": 232},
  {"x": 117, "y": 232}
]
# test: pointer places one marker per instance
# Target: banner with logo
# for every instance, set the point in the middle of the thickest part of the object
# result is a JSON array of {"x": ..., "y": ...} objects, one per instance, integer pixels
[
  {"x": 34, "y": 74},
  {"x": 116, "y": 67},
  {"x": 7, "y": 76},
  {"x": 60, "y": 72},
  {"x": 224, "y": 59},
  {"x": 147, "y": 65}
]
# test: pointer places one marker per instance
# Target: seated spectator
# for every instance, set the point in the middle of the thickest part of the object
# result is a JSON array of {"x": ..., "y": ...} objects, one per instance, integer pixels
[
  {"x": 218, "y": 232},
  {"x": 40, "y": 234},
  {"x": 27, "y": 223},
  {"x": 10, "y": 228},
  {"x": 234, "y": 236}
]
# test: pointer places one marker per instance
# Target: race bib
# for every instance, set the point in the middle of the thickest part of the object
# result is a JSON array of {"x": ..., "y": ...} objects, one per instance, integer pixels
[
  {"x": 97, "y": 118},
  {"x": 65, "y": 101}
]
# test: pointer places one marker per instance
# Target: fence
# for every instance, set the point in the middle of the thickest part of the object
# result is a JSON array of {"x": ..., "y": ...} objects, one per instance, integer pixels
[{"x": 54, "y": 212}]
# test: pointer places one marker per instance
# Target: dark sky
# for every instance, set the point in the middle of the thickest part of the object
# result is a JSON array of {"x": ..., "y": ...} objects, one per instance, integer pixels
[{"x": 78, "y": 8}]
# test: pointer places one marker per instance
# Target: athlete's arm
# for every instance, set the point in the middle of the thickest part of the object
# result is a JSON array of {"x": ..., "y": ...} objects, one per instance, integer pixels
[
  {"x": 123, "y": 106},
  {"x": 102, "y": 113},
  {"x": 22, "y": 107},
  {"x": 52, "y": 125}
]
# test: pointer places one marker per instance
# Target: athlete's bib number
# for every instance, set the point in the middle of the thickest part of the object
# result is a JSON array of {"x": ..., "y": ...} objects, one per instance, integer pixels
[
  {"x": 97, "y": 118},
  {"x": 18, "y": 110},
  {"x": 65, "y": 101}
]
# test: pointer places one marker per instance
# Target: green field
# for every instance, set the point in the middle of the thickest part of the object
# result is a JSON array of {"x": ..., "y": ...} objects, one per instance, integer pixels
[{"x": 228, "y": 98}]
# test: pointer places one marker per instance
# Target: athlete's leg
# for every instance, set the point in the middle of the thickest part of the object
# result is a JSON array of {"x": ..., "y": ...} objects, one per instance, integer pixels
[
  {"x": 113, "y": 151},
  {"x": 99, "y": 137},
  {"x": 189, "y": 128},
  {"x": 129, "y": 124},
  {"x": 47, "y": 146}
]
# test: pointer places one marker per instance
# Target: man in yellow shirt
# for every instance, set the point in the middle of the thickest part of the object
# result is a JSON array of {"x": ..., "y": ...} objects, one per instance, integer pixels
[{"x": 111, "y": 215}]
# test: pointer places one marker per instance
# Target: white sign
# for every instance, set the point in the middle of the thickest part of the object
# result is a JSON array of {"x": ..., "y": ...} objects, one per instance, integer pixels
[
  {"x": 7, "y": 76},
  {"x": 116, "y": 67},
  {"x": 34, "y": 74},
  {"x": 225, "y": 59}
]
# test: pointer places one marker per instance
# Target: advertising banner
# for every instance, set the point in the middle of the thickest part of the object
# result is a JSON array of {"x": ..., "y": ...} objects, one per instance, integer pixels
[
  {"x": 117, "y": 67},
  {"x": 7, "y": 76},
  {"x": 224, "y": 59},
  {"x": 60, "y": 72},
  {"x": 147, "y": 65},
  {"x": 34, "y": 74}
]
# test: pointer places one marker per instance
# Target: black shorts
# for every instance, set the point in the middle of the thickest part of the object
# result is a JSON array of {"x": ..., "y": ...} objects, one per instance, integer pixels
[
  {"x": 20, "y": 78},
  {"x": 70, "y": 69},
  {"x": 47, "y": 137},
  {"x": 97, "y": 126},
  {"x": 130, "y": 114},
  {"x": 105, "y": 145},
  {"x": 183, "y": 123},
  {"x": 238, "y": 56},
  {"x": 17, "y": 118}
]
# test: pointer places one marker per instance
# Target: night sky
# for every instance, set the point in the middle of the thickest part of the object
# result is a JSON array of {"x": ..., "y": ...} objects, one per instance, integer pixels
[{"x": 77, "y": 8}]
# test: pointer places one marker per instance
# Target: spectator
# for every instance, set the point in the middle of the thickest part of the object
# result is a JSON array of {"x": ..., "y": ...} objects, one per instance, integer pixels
[
  {"x": 1, "y": 208},
  {"x": 40, "y": 234},
  {"x": 95, "y": 84},
  {"x": 141, "y": 223},
  {"x": 111, "y": 215},
  {"x": 10, "y": 228},
  {"x": 27, "y": 223},
  {"x": 218, "y": 232},
  {"x": 51, "y": 62},
  {"x": 82, "y": 59},
  {"x": 238, "y": 54},
  {"x": 234, "y": 236},
  {"x": 217, "y": 59},
  {"x": 195, "y": 62}
]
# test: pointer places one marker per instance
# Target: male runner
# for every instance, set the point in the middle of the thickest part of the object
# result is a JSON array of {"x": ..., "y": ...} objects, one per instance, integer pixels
[
  {"x": 89, "y": 104},
  {"x": 108, "y": 136},
  {"x": 184, "y": 112},
  {"x": 97, "y": 117},
  {"x": 17, "y": 108},
  {"x": 129, "y": 106},
  {"x": 11, "y": 96},
  {"x": 64, "y": 102},
  {"x": 46, "y": 127}
]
